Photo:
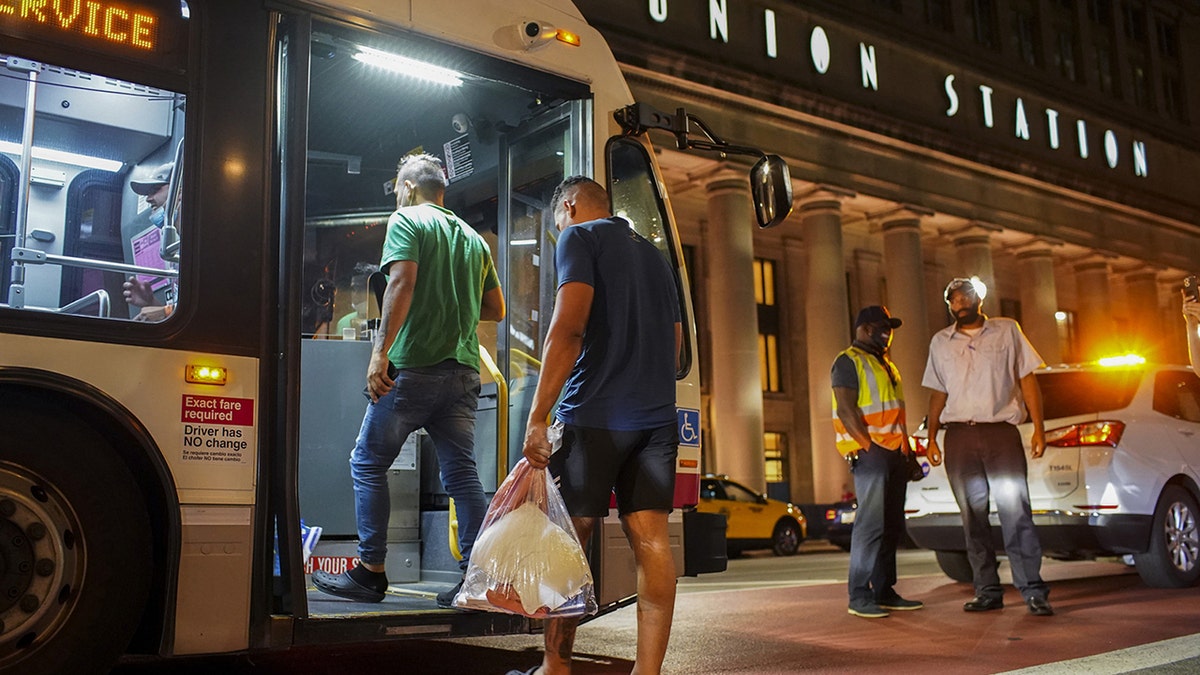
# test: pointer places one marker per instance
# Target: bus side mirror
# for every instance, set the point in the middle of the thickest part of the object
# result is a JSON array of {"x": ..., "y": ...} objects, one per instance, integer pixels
[{"x": 771, "y": 185}]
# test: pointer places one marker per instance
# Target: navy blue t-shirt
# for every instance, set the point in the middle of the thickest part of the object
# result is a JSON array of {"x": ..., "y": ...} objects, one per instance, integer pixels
[{"x": 624, "y": 379}]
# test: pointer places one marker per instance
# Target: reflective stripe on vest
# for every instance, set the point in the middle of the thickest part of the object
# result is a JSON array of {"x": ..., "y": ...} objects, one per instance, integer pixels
[{"x": 880, "y": 403}]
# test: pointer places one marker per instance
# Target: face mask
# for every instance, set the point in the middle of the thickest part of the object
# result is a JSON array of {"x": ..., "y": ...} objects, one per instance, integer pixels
[
  {"x": 880, "y": 340},
  {"x": 158, "y": 217}
]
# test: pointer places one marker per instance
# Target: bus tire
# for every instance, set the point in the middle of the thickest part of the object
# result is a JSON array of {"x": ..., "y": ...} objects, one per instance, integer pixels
[
  {"x": 1173, "y": 560},
  {"x": 76, "y": 534}
]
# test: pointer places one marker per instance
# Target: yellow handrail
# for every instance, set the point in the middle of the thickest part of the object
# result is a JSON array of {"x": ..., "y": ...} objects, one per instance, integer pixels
[
  {"x": 501, "y": 443},
  {"x": 501, "y": 414}
]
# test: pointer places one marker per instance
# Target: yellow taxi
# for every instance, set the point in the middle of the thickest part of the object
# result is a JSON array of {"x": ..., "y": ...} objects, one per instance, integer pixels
[{"x": 752, "y": 519}]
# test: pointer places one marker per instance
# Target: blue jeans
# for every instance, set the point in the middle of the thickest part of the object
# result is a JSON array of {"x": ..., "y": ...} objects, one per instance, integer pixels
[
  {"x": 880, "y": 483},
  {"x": 987, "y": 461},
  {"x": 443, "y": 398}
]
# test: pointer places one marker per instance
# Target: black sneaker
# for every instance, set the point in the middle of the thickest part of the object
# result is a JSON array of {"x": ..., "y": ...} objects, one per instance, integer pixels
[
  {"x": 867, "y": 609},
  {"x": 898, "y": 603},
  {"x": 445, "y": 599}
]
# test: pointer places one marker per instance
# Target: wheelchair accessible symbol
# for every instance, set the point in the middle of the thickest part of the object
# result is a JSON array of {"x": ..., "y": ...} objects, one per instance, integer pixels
[{"x": 689, "y": 427}]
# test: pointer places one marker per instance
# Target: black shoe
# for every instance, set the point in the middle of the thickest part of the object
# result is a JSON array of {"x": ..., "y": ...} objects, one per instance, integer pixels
[
  {"x": 359, "y": 584},
  {"x": 899, "y": 604},
  {"x": 445, "y": 599},
  {"x": 982, "y": 603},
  {"x": 1039, "y": 607},
  {"x": 867, "y": 609}
]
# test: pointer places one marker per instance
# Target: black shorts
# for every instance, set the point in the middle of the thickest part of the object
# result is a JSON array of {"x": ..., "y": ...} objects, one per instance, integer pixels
[{"x": 638, "y": 465}]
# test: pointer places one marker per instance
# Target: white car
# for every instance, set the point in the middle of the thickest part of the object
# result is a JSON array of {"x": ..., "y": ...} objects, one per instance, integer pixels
[{"x": 1120, "y": 475}]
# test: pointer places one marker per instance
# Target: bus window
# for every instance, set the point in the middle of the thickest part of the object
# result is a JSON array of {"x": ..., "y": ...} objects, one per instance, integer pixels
[
  {"x": 92, "y": 214},
  {"x": 633, "y": 191}
]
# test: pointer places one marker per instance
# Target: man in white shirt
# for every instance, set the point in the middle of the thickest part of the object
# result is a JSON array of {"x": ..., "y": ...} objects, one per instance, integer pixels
[{"x": 980, "y": 371}]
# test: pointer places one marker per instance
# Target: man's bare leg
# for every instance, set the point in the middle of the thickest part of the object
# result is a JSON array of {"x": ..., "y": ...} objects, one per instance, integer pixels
[
  {"x": 647, "y": 534},
  {"x": 560, "y": 633}
]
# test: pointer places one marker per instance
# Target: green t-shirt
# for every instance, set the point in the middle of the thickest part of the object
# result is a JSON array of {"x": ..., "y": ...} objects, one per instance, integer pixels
[{"x": 454, "y": 269}]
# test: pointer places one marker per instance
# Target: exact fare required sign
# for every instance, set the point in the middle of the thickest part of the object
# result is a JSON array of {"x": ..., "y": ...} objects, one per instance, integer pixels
[{"x": 212, "y": 428}]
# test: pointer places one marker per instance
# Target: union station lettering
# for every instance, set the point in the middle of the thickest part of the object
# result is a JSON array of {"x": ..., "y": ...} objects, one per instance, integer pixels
[{"x": 1062, "y": 134}]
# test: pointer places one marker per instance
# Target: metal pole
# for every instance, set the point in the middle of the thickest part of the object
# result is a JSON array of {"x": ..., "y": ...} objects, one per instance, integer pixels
[{"x": 16, "y": 291}]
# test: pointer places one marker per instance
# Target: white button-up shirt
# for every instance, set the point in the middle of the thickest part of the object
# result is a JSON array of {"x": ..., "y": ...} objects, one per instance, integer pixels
[{"x": 981, "y": 374}]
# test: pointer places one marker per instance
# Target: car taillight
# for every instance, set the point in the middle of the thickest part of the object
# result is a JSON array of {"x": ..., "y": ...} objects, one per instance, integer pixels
[
  {"x": 830, "y": 514},
  {"x": 1104, "y": 432},
  {"x": 920, "y": 445}
]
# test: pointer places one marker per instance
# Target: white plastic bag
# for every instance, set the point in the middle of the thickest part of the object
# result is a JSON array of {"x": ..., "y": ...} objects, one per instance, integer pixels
[{"x": 527, "y": 558}]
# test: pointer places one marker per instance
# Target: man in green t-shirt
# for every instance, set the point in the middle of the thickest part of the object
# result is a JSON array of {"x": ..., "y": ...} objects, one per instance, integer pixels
[{"x": 424, "y": 369}]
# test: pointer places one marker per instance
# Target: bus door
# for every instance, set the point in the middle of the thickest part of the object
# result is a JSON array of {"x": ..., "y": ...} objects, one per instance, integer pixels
[
  {"x": 356, "y": 102},
  {"x": 537, "y": 157}
]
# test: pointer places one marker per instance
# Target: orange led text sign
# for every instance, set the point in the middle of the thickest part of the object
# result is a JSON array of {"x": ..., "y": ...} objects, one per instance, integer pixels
[{"x": 105, "y": 21}]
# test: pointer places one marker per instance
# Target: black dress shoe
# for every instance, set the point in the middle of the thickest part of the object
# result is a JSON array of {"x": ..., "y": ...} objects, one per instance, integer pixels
[
  {"x": 1039, "y": 607},
  {"x": 982, "y": 603},
  {"x": 368, "y": 587}
]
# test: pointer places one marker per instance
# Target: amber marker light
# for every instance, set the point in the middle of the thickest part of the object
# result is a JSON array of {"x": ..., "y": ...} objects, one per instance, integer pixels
[
  {"x": 689, "y": 463},
  {"x": 205, "y": 374},
  {"x": 563, "y": 35}
]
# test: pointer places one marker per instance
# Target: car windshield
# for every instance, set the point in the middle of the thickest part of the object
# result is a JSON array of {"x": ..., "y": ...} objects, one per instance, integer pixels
[{"x": 1083, "y": 392}]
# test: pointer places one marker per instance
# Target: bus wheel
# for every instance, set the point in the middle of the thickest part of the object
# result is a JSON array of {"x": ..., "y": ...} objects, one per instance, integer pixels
[{"x": 75, "y": 554}]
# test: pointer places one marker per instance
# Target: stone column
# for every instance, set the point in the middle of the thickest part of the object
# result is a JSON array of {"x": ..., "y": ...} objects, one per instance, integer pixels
[
  {"x": 800, "y": 453},
  {"x": 867, "y": 278},
  {"x": 1096, "y": 329},
  {"x": 737, "y": 409},
  {"x": 906, "y": 299},
  {"x": 974, "y": 248},
  {"x": 827, "y": 316},
  {"x": 1146, "y": 336},
  {"x": 1039, "y": 301}
]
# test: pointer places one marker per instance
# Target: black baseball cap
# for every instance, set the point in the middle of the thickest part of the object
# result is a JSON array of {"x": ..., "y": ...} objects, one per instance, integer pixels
[{"x": 876, "y": 314}]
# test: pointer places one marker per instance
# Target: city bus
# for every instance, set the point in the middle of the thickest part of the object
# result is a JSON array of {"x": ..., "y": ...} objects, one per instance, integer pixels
[{"x": 193, "y": 199}]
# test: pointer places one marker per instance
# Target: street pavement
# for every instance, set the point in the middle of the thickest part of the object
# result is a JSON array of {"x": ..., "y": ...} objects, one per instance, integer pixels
[{"x": 775, "y": 615}]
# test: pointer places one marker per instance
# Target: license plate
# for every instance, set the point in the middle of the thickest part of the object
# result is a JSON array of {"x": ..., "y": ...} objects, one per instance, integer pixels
[{"x": 848, "y": 518}]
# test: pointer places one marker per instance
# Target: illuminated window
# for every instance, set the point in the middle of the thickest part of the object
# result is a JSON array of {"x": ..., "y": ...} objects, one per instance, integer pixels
[
  {"x": 768, "y": 325},
  {"x": 775, "y": 456},
  {"x": 105, "y": 203}
]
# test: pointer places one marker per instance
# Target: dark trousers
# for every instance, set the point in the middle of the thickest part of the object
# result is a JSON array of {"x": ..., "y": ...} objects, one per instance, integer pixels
[
  {"x": 880, "y": 481},
  {"x": 988, "y": 461}
]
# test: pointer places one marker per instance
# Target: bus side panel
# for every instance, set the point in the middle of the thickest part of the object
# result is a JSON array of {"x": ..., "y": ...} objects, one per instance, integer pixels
[{"x": 209, "y": 440}]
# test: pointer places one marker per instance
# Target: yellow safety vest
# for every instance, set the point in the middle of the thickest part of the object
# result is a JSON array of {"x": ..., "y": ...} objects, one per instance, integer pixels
[{"x": 879, "y": 402}]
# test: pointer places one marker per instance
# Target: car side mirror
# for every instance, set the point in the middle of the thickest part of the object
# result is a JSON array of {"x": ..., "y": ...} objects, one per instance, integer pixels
[{"x": 771, "y": 186}]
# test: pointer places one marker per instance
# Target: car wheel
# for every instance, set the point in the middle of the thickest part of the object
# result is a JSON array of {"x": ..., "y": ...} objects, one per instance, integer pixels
[
  {"x": 956, "y": 565},
  {"x": 1173, "y": 560},
  {"x": 75, "y": 551},
  {"x": 787, "y": 537}
]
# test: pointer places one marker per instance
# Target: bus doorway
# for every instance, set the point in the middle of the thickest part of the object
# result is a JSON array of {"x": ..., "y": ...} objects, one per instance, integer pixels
[{"x": 507, "y": 137}]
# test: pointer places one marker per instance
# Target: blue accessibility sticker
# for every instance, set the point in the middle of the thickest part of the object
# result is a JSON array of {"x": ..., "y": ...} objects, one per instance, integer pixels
[{"x": 689, "y": 427}]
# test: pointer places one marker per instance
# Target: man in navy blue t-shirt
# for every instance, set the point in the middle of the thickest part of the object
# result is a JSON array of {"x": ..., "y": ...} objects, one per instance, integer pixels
[{"x": 614, "y": 344}]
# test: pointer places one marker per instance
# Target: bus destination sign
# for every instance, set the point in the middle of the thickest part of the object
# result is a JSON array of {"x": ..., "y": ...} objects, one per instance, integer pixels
[{"x": 122, "y": 26}]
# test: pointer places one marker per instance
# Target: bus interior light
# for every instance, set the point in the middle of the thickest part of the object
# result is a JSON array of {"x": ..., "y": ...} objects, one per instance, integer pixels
[
  {"x": 63, "y": 157},
  {"x": 196, "y": 374},
  {"x": 402, "y": 65}
]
